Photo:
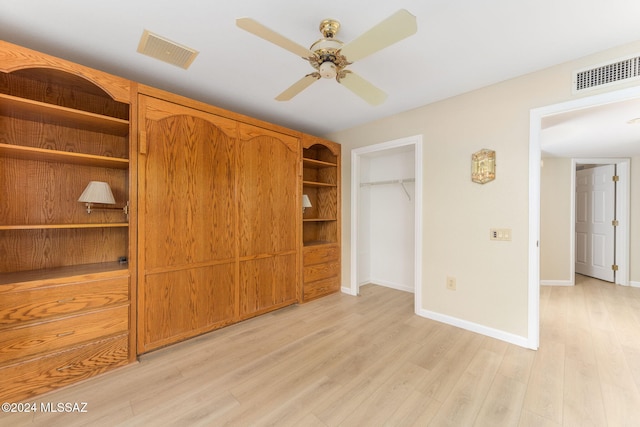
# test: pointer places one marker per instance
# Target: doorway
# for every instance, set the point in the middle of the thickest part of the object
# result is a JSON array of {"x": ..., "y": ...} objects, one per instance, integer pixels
[
  {"x": 535, "y": 156},
  {"x": 386, "y": 216},
  {"x": 612, "y": 263}
]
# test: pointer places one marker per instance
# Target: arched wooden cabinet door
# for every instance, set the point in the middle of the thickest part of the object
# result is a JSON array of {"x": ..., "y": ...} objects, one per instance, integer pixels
[
  {"x": 269, "y": 211},
  {"x": 187, "y": 227}
]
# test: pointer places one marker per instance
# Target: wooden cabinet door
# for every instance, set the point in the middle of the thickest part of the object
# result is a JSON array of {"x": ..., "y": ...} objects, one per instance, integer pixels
[
  {"x": 187, "y": 232},
  {"x": 269, "y": 211}
]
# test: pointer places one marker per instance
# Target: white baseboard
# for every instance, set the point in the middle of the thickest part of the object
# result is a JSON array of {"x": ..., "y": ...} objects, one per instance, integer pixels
[
  {"x": 348, "y": 291},
  {"x": 480, "y": 329},
  {"x": 392, "y": 285},
  {"x": 557, "y": 283},
  {"x": 634, "y": 284}
]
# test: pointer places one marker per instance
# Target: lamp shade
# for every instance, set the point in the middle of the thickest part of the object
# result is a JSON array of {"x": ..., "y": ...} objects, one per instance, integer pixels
[
  {"x": 306, "y": 203},
  {"x": 97, "y": 192}
]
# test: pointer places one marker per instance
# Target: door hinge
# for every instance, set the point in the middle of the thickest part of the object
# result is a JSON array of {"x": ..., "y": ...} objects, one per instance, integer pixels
[
  {"x": 616, "y": 178},
  {"x": 615, "y": 223},
  {"x": 614, "y": 267}
]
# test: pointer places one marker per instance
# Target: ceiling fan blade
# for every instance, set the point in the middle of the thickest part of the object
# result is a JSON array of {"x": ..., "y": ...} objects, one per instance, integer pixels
[
  {"x": 362, "y": 88},
  {"x": 396, "y": 27},
  {"x": 256, "y": 28},
  {"x": 298, "y": 87}
]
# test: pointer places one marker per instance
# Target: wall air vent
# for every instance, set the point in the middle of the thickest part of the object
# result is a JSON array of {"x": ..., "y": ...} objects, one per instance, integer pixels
[
  {"x": 621, "y": 70},
  {"x": 165, "y": 50}
]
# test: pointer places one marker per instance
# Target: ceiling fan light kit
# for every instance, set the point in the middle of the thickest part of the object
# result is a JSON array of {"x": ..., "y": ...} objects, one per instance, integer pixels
[{"x": 330, "y": 57}]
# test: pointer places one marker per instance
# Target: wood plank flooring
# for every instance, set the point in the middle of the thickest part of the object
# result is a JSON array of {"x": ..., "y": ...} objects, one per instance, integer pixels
[{"x": 369, "y": 361}]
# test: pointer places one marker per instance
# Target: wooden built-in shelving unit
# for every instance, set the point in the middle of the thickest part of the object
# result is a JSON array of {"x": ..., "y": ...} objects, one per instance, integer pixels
[
  {"x": 321, "y": 222},
  {"x": 214, "y": 232},
  {"x": 64, "y": 293}
]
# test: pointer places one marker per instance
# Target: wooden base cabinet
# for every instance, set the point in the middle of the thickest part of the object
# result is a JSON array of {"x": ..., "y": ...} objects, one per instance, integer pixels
[
  {"x": 54, "y": 332},
  {"x": 65, "y": 299}
]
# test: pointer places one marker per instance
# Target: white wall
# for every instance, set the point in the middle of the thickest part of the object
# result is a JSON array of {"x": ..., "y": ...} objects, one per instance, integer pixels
[
  {"x": 555, "y": 221},
  {"x": 387, "y": 240},
  {"x": 492, "y": 277}
]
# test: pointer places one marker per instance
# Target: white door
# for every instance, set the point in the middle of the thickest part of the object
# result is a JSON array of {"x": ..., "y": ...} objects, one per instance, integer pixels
[{"x": 595, "y": 213}]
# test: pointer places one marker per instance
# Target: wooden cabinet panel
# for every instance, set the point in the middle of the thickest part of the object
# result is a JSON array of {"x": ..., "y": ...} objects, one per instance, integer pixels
[
  {"x": 268, "y": 203},
  {"x": 187, "y": 187},
  {"x": 266, "y": 284},
  {"x": 182, "y": 304},
  {"x": 53, "y": 301},
  {"x": 321, "y": 288},
  {"x": 187, "y": 228},
  {"x": 321, "y": 271},
  {"x": 45, "y": 337},
  {"x": 25, "y": 380},
  {"x": 269, "y": 214},
  {"x": 320, "y": 254}
]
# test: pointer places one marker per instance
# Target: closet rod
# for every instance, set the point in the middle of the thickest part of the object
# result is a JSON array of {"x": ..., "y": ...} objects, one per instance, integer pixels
[{"x": 392, "y": 181}]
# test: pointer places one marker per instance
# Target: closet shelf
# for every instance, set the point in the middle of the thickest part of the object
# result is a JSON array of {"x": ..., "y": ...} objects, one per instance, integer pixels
[{"x": 391, "y": 181}]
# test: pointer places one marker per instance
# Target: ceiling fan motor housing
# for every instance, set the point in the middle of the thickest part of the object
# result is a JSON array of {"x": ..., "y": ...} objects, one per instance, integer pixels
[{"x": 327, "y": 58}]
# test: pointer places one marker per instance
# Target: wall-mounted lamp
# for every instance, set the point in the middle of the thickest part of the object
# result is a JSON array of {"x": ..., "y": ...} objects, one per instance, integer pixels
[
  {"x": 100, "y": 192},
  {"x": 306, "y": 202}
]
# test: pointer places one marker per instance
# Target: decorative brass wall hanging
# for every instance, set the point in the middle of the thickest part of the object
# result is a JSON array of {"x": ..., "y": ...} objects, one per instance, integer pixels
[{"x": 483, "y": 166}]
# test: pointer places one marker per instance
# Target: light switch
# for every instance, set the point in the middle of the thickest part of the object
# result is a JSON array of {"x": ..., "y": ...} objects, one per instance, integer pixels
[{"x": 503, "y": 234}]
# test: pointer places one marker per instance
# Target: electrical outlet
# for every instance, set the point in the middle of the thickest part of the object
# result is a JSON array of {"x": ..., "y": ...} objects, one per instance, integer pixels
[{"x": 451, "y": 283}]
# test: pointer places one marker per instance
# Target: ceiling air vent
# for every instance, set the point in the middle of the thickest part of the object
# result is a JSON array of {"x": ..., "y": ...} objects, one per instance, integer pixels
[
  {"x": 619, "y": 71},
  {"x": 165, "y": 50}
]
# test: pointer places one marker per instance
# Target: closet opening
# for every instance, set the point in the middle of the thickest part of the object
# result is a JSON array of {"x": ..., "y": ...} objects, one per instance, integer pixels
[{"x": 386, "y": 216}]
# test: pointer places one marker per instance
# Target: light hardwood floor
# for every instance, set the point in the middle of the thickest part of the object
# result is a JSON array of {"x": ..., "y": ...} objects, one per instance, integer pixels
[{"x": 369, "y": 361}]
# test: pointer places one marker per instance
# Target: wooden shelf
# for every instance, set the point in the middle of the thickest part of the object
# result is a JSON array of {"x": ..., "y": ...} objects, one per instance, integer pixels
[
  {"x": 318, "y": 219},
  {"x": 317, "y": 164},
  {"x": 28, "y": 109},
  {"x": 65, "y": 274},
  {"x": 317, "y": 184},
  {"x": 319, "y": 243},
  {"x": 62, "y": 226},
  {"x": 42, "y": 154}
]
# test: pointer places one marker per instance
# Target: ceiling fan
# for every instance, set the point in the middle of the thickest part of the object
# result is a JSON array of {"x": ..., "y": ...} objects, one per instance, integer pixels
[{"x": 330, "y": 57}]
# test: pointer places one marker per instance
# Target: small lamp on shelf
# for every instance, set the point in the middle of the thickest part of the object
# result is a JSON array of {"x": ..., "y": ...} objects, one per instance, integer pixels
[
  {"x": 306, "y": 202},
  {"x": 100, "y": 192}
]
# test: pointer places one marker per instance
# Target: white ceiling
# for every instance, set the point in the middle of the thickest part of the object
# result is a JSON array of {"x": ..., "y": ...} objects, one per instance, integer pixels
[
  {"x": 607, "y": 130},
  {"x": 461, "y": 45}
]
